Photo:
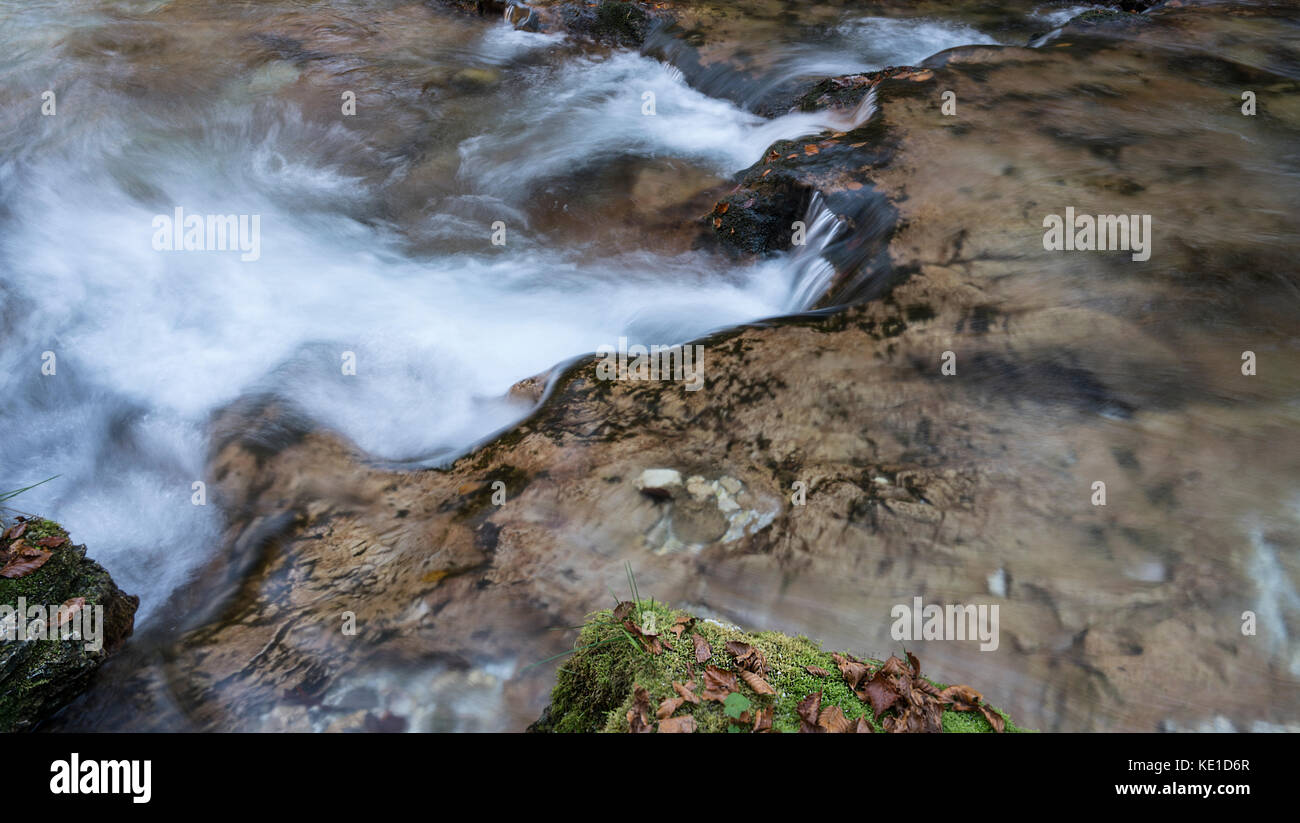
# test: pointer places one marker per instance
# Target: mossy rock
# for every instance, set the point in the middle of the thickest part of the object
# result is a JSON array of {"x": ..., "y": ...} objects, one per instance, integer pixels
[
  {"x": 596, "y": 685},
  {"x": 38, "y": 677}
]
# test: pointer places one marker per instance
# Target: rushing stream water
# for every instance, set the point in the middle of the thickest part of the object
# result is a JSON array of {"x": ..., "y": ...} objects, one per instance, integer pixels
[
  {"x": 375, "y": 235},
  {"x": 500, "y": 202}
]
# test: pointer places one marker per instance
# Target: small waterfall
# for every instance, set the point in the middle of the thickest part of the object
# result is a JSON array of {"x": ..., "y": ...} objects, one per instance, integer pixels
[
  {"x": 813, "y": 273},
  {"x": 520, "y": 15}
]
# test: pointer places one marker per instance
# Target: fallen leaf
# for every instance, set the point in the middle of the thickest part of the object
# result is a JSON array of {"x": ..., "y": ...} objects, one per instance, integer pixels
[
  {"x": 14, "y": 532},
  {"x": 638, "y": 717},
  {"x": 852, "y": 671},
  {"x": 649, "y": 639},
  {"x": 881, "y": 693},
  {"x": 677, "y": 725},
  {"x": 757, "y": 683},
  {"x": 763, "y": 721},
  {"x": 816, "y": 671},
  {"x": 718, "y": 684},
  {"x": 864, "y": 727},
  {"x": 28, "y": 561},
  {"x": 995, "y": 720},
  {"x": 810, "y": 149},
  {"x": 807, "y": 711},
  {"x": 747, "y": 657},
  {"x": 962, "y": 698},
  {"x": 893, "y": 666},
  {"x": 52, "y": 542},
  {"x": 703, "y": 651},
  {"x": 832, "y": 719},
  {"x": 623, "y": 610},
  {"x": 687, "y": 691},
  {"x": 680, "y": 625},
  {"x": 670, "y": 705}
]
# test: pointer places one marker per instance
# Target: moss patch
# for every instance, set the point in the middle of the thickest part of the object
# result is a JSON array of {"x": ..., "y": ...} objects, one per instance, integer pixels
[{"x": 596, "y": 685}]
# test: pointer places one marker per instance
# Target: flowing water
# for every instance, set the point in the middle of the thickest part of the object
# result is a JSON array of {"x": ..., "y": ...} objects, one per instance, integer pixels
[
  {"x": 375, "y": 233},
  {"x": 375, "y": 239},
  {"x": 376, "y": 243}
]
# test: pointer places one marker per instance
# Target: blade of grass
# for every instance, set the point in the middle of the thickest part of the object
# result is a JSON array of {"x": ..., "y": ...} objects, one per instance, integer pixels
[
  {"x": 10, "y": 495},
  {"x": 571, "y": 651}
]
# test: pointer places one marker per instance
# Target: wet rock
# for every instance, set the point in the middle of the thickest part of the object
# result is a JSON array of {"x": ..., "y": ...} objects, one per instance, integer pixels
[
  {"x": 612, "y": 22},
  {"x": 531, "y": 389},
  {"x": 964, "y": 486},
  {"x": 40, "y": 676}
]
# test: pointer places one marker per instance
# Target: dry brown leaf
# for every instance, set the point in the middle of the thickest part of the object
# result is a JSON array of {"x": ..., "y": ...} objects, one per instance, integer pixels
[
  {"x": 679, "y": 625},
  {"x": 670, "y": 705},
  {"x": 718, "y": 684},
  {"x": 747, "y": 657},
  {"x": 27, "y": 561},
  {"x": 995, "y": 720},
  {"x": 677, "y": 725},
  {"x": 962, "y": 698},
  {"x": 757, "y": 683},
  {"x": 763, "y": 721},
  {"x": 703, "y": 651},
  {"x": 623, "y": 610},
  {"x": 807, "y": 710},
  {"x": 832, "y": 719},
  {"x": 14, "y": 532},
  {"x": 649, "y": 639},
  {"x": 881, "y": 693},
  {"x": 816, "y": 671},
  {"x": 687, "y": 691},
  {"x": 52, "y": 542},
  {"x": 864, "y": 727},
  {"x": 638, "y": 717},
  {"x": 893, "y": 666},
  {"x": 853, "y": 672}
]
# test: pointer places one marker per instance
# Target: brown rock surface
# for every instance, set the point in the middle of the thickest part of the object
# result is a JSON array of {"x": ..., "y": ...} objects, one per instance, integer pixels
[{"x": 1072, "y": 368}]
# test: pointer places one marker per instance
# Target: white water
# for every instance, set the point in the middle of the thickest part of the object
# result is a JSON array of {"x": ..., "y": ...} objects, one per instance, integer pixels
[
  {"x": 862, "y": 44},
  {"x": 150, "y": 344}
]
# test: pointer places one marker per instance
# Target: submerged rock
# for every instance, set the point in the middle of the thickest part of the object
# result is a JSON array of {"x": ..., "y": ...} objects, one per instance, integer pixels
[{"x": 39, "y": 675}]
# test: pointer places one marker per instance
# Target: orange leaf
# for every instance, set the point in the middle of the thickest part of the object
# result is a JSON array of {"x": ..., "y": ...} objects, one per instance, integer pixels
[{"x": 677, "y": 725}]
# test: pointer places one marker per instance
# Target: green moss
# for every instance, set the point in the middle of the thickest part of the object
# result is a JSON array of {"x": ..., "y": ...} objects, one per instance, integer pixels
[{"x": 595, "y": 686}]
